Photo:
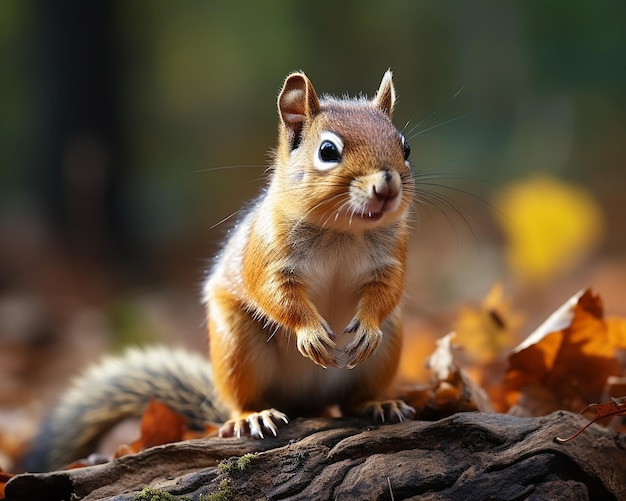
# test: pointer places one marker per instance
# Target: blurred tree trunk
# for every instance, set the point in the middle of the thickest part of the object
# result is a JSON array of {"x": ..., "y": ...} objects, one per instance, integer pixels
[{"x": 83, "y": 162}]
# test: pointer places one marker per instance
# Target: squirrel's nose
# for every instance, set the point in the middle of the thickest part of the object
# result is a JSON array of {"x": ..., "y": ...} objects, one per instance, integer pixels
[{"x": 386, "y": 186}]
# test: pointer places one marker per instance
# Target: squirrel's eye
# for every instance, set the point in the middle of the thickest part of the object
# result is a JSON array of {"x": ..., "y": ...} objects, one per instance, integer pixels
[
  {"x": 406, "y": 148},
  {"x": 329, "y": 152}
]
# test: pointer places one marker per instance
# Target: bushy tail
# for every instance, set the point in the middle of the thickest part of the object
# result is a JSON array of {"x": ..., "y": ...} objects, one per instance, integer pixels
[{"x": 120, "y": 387}]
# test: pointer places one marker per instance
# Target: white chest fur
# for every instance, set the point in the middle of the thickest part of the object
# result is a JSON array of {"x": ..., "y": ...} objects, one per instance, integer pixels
[{"x": 335, "y": 266}]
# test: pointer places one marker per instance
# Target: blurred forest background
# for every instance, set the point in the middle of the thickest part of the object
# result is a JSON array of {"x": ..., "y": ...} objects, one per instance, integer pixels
[{"x": 130, "y": 130}]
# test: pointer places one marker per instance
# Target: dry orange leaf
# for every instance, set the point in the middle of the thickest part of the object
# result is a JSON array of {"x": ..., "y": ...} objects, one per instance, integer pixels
[
  {"x": 210, "y": 430},
  {"x": 616, "y": 407},
  {"x": 565, "y": 363},
  {"x": 159, "y": 425},
  {"x": 4, "y": 478},
  {"x": 451, "y": 389},
  {"x": 418, "y": 344},
  {"x": 617, "y": 332}
]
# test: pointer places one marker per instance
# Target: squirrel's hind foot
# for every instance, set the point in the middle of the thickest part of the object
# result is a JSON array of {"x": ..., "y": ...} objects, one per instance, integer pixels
[
  {"x": 254, "y": 424},
  {"x": 387, "y": 411}
]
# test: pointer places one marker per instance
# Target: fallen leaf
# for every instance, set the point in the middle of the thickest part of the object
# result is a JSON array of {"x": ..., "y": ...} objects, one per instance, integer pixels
[
  {"x": 566, "y": 361},
  {"x": 160, "y": 424},
  {"x": 442, "y": 361},
  {"x": 617, "y": 332},
  {"x": 485, "y": 331},
  {"x": 128, "y": 449},
  {"x": 91, "y": 460},
  {"x": 550, "y": 226},
  {"x": 210, "y": 430},
  {"x": 616, "y": 407},
  {"x": 4, "y": 478},
  {"x": 419, "y": 342},
  {"x": 616, "y": 385},
  {"x": 451, "y": 390}
]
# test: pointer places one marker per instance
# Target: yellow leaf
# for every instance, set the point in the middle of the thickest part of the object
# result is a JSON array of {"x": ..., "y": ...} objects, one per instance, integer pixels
[
  {"x": 550, "y": 226},
  {"x": 485, "y": 331}
]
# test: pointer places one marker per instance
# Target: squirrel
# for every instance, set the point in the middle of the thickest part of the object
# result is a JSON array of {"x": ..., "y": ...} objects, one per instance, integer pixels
[{"x": 303, "y": 301}]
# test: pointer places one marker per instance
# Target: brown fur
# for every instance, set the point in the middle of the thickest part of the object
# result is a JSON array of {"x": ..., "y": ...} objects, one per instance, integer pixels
[{"x": 303, "y": 302}]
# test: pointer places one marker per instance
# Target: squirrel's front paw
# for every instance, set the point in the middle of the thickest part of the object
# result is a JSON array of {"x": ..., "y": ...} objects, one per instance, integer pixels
[
  {"x": 363, "y": 344},
  {"x": 254, "y": 424},
  {"x": 317, "y": 344}
]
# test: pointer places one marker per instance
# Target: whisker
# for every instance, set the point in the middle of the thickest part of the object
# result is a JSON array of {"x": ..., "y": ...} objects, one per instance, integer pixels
[
  {"x": 337, "y": 196},
  {"x": 438, "y": 201},
  {"x": 426, "y": 118},
  {"x": 228, "y": 167},
  {"x": 412, "y": 216},
  {"x": 336, "y": 208},
  {"x": 457, "y": 93},
  {"x": 427, "y": 181},
  {"x": 422, "y": 132},
  {"x": 226, "y": 218},
  {"x": 273, "y": 333},
  {"x": 430, "y": 115},
  {"x": 426, "y": 202},
  {"x": 352, "y": 212}
]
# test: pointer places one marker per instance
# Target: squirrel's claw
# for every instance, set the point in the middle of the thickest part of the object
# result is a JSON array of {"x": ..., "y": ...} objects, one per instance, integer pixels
[
  {"x": 363, "y": 344},
  {"x": 318, "y": 345},
  {"x": 269, "y": 420},
  {"x": 388, "y": 411},
  {"x": 254, "y": 424}
]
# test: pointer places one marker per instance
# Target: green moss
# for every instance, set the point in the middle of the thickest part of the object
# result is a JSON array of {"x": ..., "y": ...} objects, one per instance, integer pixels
[
  {"x": 225, "y": 466},
  {"x": 224, "y": 493},
  {"x": 241, "y": 463},
  {"x": 228, "y": 467},
  {"x": 244, "y": 461},
  {"x": 149, "y": 494}
]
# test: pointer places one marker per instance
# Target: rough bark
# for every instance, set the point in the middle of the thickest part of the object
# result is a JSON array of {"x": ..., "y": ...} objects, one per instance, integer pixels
[{"x": 470, "y": 456}]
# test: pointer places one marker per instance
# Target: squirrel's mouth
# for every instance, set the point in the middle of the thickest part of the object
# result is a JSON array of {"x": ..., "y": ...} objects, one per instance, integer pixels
[{"x": 371, "y": 216}]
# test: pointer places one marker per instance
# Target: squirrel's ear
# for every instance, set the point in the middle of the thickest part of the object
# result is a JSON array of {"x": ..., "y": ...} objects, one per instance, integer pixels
[
  {"x": 386, "y": 95},
  {"x": 297, "y": 103}
]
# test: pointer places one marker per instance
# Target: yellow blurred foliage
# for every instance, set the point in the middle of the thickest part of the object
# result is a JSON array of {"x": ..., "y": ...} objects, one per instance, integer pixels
[
  {"x": 419, "y": 343},
  {"x": 485, "y": 331},
  {"x": 551, "y": 226}
]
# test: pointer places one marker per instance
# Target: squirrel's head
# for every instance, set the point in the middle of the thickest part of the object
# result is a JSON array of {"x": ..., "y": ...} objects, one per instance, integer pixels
[{"x": 341, "y": 162}]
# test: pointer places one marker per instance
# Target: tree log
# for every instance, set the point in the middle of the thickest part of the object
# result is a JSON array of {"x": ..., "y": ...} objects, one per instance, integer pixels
[{"x": 467, "y": 456}]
